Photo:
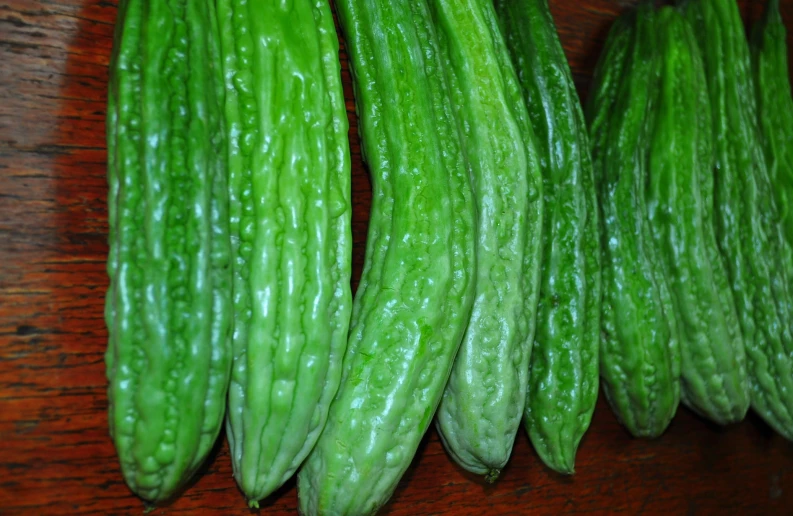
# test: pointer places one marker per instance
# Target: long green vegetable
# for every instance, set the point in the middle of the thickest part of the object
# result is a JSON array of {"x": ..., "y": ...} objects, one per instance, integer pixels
[
  {"x": 775, "y": 114},
  {"x": 563, "y": 375},
  {"x": 417, "y": 286},
  {"x": 168, "y": 308},
  {"x": 714, "y": 379},
  {"x": 775, "y": 107},
  {"x": 640, "y": 356},
  {"x": 747, "y": 225},
  {"x": 289, "y": 169},
  {"x": 604, "y": 88},
  {"x": 484, "y": 399}
]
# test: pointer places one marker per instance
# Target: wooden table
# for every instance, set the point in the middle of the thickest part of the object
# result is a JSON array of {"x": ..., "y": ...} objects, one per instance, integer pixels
[{"x": 55, "y": 453}]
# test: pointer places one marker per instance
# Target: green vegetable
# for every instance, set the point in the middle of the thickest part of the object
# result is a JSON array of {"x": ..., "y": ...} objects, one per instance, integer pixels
[
  {"x": 483, "y": 402},
  {"x": 563, "y": 375},
  {"x": 168, "y": 309},
  {"x": 289, "y": 170},
  {"x": 604, "y": 88},
  {"x": 775, "y": 108},
  {"x": 640, "y": 356},
  {"x": 416, "y": 292},
  {"x": 747, "y": 223},
  {"x": 714, "y": 381}
]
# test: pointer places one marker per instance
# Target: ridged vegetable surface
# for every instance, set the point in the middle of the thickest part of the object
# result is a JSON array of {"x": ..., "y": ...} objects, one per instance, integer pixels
[
  {"x": 417, "y": 286},
  {"x": 775, "y": 108},
  {"x": 714, "y": 380},
  {"x": 775, "y": 116},
  {"x": 289, "y": 169},
  {"x": 758, "y": 257},
  {"x": 640, "y": 356},
  {"x": 168, "y": 308},
  {"x": 720, "y": 278},
  {"x": 604, "y": 88},
  {"x": 483, "y": 402},
  {"x": 563, "y": 373}
]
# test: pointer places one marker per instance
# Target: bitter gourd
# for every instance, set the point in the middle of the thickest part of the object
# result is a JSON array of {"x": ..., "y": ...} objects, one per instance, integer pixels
[
  {"x": 603, "y": 91},
  {"x": 720, "y": 278},
  {"x": 775, "y": 107},
  {"x": 289, "y": 170},
  {"x": 714, "y": 380},
  {"x": 640, "y": 356},
  {"x": 563, "y": 373},
  {"x": 168, "y": 307},
  {"x": 417, "y": 286},
  {"x": 482, "y": 405},
  {"x": 750, "y": 237}
]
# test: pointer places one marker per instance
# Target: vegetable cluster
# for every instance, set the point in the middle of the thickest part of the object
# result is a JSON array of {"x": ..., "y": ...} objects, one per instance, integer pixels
[{"x": 520, "y": 250}]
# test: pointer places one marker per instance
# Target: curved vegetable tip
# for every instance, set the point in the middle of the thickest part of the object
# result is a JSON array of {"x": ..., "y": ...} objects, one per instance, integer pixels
[
  {"x": 253, "y": 504},
  {"x": 562, "y": 462},
  {"x": 492, "y": 475},
  {"x": 565, "y": 467}
]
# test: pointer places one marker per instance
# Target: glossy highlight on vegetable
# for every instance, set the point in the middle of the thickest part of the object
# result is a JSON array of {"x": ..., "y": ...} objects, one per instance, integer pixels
[
  {"x": 417, "y": 287},
  {"x": 640, "y": 355},
  {"x": 168, "y": 307},
  {"x": 290, "y": 206},
  {"x": 563, "y": 373},
  {"x": 714, "y": 378},
  {"x": 483, "y": 402}
]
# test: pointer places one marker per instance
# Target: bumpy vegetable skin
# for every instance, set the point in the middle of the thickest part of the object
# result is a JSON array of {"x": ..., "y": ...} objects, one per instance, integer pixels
[
  {"x": 603, "y": 92},
  {"x": 775, "y": 107},
  {"x": 483, "y": 402},
  {"x": 714, "y": 378},
  {"x": 640, "y": 356},
  {"x": 563, "y": 373},
  {"x": 417, "y": 286},
  {"x": 289, "y": 170},
  {"x": 168, "y": 307},
  {"x": 750, "y": 237}
]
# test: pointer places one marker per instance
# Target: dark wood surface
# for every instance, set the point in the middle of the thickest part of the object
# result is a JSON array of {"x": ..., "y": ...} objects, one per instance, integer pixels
[{"x": 55, "y": 453}]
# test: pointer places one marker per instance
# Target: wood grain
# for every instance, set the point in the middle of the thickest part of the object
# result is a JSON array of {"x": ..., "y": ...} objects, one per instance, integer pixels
[{"x": 55, "y": 453}]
